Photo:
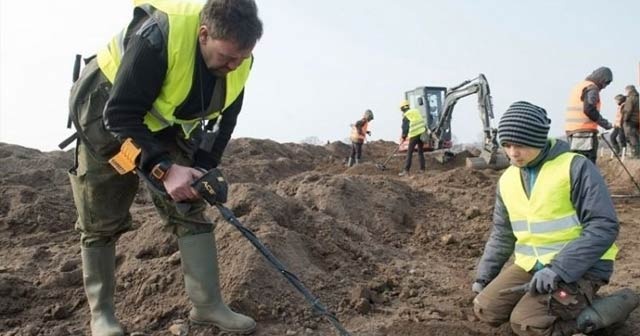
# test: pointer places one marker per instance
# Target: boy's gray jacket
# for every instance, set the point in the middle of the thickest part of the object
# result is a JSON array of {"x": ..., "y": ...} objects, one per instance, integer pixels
[{"x": 594, "y": 207}]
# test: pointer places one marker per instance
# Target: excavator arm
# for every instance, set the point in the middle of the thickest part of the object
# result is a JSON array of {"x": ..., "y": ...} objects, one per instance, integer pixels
[{"x": 490, "y": 156}]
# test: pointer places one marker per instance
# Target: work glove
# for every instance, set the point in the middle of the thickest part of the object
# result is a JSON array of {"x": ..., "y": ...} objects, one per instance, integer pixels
[
  {"x": 544, "y": 281},
  {"x": 478, "y": 286},
  {"x": 212, "y": 187}
]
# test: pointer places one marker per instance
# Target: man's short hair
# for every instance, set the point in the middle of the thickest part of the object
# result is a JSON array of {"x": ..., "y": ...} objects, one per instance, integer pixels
[{"x": 233, "y": 20}]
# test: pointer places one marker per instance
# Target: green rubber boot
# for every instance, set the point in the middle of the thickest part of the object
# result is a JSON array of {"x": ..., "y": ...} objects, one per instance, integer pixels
[
  {"x": 608, "y": 310},
  {"x": 98, "y": 267},
  {"x": 200, "y": 268}
]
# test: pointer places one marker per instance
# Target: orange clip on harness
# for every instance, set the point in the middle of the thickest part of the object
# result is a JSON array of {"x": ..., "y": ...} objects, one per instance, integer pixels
[{"x": 125, "y": 161}]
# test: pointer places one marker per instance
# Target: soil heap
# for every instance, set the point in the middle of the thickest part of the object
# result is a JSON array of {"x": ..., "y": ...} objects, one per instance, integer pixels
[{"x": 387, "y": 255}]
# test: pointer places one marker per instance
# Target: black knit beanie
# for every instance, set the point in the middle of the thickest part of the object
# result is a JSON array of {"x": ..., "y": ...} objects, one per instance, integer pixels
[{"x": 525, "y": 124}]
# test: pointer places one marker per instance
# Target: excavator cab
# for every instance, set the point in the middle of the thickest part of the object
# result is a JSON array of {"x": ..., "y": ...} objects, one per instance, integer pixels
[
  {"x": 436, "y": 104},
  {"x": 429, "y": 100}
]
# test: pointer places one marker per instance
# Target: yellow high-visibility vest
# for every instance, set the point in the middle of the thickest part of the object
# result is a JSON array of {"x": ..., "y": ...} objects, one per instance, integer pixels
[
  {"x": 181, "y": 31},
  {"x": 575, "y": 119},
  {"x": 546, "y": 222},
  {"x": 416, "y": 122}
]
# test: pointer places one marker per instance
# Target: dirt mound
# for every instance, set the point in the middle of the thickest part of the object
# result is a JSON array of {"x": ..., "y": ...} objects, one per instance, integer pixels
[{"x": 388, "y": 255}]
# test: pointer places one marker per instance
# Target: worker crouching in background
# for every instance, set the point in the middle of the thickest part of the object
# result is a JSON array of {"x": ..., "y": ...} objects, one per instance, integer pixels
[
  {"x": 359, "y": 132},
  {"x": 553, "y": 210}
]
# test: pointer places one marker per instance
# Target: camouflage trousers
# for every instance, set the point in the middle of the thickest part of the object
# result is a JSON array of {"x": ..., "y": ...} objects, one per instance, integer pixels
[
  {"x": 533, "y": 315},
  {"x": 103, "y": 199}
]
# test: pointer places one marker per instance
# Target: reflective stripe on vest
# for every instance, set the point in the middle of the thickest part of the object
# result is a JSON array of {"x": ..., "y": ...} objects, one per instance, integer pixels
[
  {"x": 546, "y": 222},
  {"x": 357, "y": 137},
  {"x": 575, "y": 119},
  {"x": 416, "y": 123},
  {"x": 183, "y": 20}
]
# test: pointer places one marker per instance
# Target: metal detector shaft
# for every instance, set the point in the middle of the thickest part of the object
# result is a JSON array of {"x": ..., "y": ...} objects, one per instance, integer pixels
[
  {"x": 619, "y": 160},
  {"x": 315, "y": 302}
]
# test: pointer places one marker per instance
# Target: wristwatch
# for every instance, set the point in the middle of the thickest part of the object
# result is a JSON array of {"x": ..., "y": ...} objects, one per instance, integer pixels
[{"x": 159, "y": 171}]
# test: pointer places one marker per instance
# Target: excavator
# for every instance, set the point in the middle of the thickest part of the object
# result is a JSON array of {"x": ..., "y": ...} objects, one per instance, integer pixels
[{"x": 436, "y": 104}]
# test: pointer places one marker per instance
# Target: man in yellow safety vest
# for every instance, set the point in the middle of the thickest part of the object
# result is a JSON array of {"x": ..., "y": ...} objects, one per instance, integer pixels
[
  {"x": 172, "y": 82},
  {"x": 413, "y": 128},
  {"x": 554, "y": 212}
]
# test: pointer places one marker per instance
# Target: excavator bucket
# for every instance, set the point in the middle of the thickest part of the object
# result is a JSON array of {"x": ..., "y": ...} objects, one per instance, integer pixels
[
  {"x": 445, "y": 156},
  {"x": 479, "y": 160},
  {"x": 497, "y": 161}
]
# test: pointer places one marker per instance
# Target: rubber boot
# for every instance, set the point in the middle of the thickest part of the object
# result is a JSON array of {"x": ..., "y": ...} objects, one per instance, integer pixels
[
  {"x": 200, "y": 268},
  {"x": 357, "y": 161},
  {"x": 565, "y": 328},
  {"x": 608, "y": 310},
  {"x": 98, "y": 267}
]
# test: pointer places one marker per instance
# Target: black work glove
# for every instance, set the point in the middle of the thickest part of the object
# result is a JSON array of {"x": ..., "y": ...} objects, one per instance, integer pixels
[
  {"x": 212, "y": 187},
  {"x": 544, "y": 281}
]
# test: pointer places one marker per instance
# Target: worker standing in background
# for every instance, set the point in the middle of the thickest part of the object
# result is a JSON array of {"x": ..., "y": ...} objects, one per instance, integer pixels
[
  {"x": 413, "y": 127},
  {"x": 632, "y": 120},
  {"x": 173, "y": 83},
  {"x": 618, "y": 139},
  {"x": 583, "y": 117},
  {"x": 359, "y": 132},
  {"x": 554, "y": 211}
]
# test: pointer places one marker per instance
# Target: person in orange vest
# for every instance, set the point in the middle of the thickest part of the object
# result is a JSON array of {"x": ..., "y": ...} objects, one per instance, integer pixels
[
  {"x": 618, "y": 139},
  {"x": 583, "y": 117},
  {"x": 631, "y": 120},
  {"x": 359, "y": 132}
]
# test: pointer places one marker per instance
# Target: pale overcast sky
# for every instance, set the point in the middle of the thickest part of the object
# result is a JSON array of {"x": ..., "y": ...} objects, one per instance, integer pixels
[{"x": 320, "y": 64}]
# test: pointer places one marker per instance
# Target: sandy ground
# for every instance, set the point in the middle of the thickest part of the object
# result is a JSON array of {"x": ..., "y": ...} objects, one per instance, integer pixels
[{"x": 387, "y": 255}]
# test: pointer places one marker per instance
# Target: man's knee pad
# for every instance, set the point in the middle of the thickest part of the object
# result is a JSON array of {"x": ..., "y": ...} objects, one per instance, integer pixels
[
  {"x": 525, "y": 321},
  {"x": 485, "y": 313}
]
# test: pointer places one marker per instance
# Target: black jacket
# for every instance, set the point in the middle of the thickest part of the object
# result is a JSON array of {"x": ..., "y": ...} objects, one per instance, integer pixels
[
  {"x": 591, "y": 95},
  {"x": 137, "y": 85},
  {"x": 630, "y": 110}
]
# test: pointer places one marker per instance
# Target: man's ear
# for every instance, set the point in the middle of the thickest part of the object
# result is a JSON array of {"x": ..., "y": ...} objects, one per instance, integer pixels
[{"x": 203, "y": 33}]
